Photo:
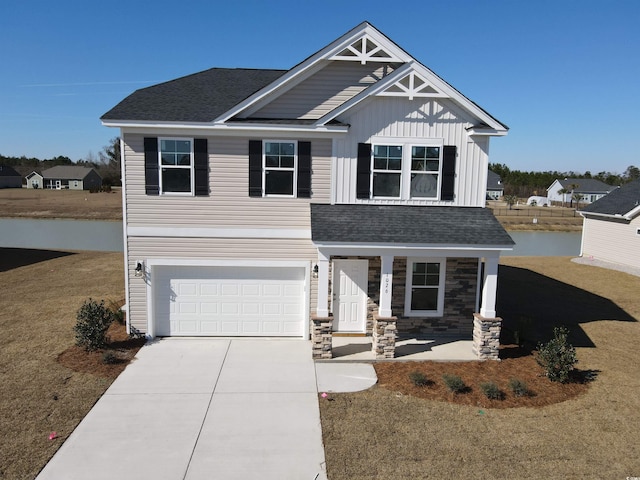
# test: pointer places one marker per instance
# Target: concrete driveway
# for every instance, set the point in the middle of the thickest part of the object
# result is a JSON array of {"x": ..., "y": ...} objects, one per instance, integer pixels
[{"x": 197, "y": 409}]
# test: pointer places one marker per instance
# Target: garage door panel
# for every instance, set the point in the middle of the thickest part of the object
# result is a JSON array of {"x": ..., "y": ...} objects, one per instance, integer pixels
[{"x": 230, "y": 301}]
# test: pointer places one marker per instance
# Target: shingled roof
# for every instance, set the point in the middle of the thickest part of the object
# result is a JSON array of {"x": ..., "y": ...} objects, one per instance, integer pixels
[
  {"x": 621, "y": 201},
  {"x": 201, "y": 97},
  {"x": 68, "y": 172},
  {"x": 585, "y": 185},
  {"x": 401, "y": 224}
]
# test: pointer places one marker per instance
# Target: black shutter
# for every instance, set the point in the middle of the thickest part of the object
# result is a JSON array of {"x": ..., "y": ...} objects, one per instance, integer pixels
[
  {"x": 304, "y": 169},
  {"x": 447, "y": 191},
  {"x": 255, "y": 168},
  {"x": 201, "y": 166},
  {"x": 363, "y": 176},
  {"x": 151, "y": 173}
]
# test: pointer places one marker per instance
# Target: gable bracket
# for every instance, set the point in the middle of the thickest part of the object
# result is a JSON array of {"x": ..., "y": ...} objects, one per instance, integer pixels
[{"x": 412, "y": 85}]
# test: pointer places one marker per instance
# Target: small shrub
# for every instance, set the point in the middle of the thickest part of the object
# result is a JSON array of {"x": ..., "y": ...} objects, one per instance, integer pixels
[
  {"x": 557, "y": 357},
  {"x": 454, "y": 383},
  {"x": 518, "y": 387},
  {"x": 419, "y": 379},
  {"x": 491, "y": 391},
  {"x": 118, "y": 313},
  {"x": 109, "y": 358},
  {"x": 92, "y": 322}
]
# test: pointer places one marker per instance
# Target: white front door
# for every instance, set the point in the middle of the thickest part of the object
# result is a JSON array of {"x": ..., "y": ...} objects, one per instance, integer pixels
[{"x": 350, "y": 279}]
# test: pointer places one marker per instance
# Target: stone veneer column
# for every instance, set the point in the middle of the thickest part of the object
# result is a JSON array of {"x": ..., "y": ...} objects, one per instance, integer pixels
[
  {"x": 321, "y": 337},
  {"x": 486, "y": 337},
  {"x": 384, "y": 336}
]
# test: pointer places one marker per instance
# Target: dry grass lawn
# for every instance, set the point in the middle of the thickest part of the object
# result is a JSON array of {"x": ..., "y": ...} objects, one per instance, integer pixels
[
  {"x": 383, "y": 433},
  {"x": 41, "y": 293},
  {"x": 40, "y": 203}
]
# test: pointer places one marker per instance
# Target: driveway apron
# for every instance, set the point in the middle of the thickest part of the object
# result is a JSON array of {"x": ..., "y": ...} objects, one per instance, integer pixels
[{"x": 194, "y": 409}]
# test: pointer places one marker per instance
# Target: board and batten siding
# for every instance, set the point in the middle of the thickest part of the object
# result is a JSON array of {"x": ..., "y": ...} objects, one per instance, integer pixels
[
  {"x": 612, "y": 241},
  {"x": 327, "y": 89},
  {"x": 227, "y": 249},
  {"x": 414, "y": 120},
  {"x": 228, "y": 204}
]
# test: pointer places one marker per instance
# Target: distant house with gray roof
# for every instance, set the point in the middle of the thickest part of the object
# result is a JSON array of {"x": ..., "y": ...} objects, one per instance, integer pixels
[
  {"x": 611, "y": 226},
  {"x": 71, "y": 177},
  {"x": 9, "y": 178},
  {"x": 495, "y": 189},
  {"x": 589, "y": 188}
]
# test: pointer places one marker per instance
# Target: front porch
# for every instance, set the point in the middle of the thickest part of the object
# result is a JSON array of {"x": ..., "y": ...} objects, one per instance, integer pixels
[
  {"x": 425, "y": 275},
  {"x": 437, "y": 348}
]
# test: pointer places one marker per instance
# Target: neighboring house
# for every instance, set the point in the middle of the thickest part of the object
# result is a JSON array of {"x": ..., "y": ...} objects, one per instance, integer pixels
[
  {"x": 9, "y": 178},
  {"x": 344, "y": 195},
  {"x": 611, "y": 227},
  {"x": 589, "y": 188},
  {"x": 495, "y": 189},
  {"x": 34, "y": 180},
  {"x": 71, "y": 177}
]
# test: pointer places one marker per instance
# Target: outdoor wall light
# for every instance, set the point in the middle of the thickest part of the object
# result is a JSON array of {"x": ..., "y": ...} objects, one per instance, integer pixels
[
  {"x": 315, "y": 271},
  {"x": 138, "y": 270}
]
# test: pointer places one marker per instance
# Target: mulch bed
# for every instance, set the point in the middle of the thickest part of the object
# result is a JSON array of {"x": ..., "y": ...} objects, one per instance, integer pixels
[
  {"x": 121, "y": 347},
  {"x": 394, "y": 376}
]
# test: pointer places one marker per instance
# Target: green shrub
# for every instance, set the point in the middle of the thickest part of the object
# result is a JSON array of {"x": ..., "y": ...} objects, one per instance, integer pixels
[
  {"x": 454, "y": 383},
  {"x": 557, "y": 357},
  {"x": 92, "y": 322},
  {"x": 118, "y": 313},
  {"x": 419, "y": 379},
  {"x": 491, "y": 391},
  {"x": 518, "y": 387}
]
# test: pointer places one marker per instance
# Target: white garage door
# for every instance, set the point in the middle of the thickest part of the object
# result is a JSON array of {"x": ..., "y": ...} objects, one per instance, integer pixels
[{"x": 229, "y": 301}]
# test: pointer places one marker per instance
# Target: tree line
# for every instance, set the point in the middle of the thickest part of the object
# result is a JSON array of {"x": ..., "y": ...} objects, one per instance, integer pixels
[
  {"x": 106, "y": 163},
  {"x": 525, "y": 184}
]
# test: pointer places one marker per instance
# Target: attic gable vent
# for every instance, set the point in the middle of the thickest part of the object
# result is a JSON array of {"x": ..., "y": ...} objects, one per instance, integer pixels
[
  {"x": 365, "y": 50},
  {"x": 412, "y": 85}
]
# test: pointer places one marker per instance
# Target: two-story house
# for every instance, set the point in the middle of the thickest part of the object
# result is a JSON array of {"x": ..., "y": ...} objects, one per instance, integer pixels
[{"x": 343, "y": 195}]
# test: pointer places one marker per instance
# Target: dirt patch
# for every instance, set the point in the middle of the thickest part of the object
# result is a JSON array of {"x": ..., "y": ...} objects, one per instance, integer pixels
[
  {"x": 394, "y": 376},
  {"x": 108, "y": 362}
]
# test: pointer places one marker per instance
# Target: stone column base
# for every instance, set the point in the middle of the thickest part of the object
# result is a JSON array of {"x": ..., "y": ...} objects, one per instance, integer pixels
[
  {"x": 321, "y": 337},
  {"x": 384, "y": 337},
  {"x": 486, "y": 337}
]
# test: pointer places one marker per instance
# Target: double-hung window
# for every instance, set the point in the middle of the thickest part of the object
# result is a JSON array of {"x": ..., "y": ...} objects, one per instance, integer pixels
[
  {"x": 425, "y": 171},
  {"x": 280, "y": 168},
  {"x": 425, "y": 287},
  {"x": 387, "y": 171},
  {"x": 176, "y": 166},
  {"x": 406, "y": 169}
]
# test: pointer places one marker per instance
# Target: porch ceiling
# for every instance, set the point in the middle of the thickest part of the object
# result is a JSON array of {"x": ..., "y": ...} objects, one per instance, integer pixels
[{"x": 406, "y": 225}]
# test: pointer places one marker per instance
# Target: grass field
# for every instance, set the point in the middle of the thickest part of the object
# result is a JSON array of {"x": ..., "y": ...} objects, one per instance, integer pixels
[
  {"x": 382, "y": 433},
  {"x": 374, "y": 434}
]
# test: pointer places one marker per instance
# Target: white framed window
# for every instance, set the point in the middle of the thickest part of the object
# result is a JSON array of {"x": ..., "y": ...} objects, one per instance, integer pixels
[
  {"x": 176, "y": 166},
  {"x": 279, "y": 162},
  {"x": 386, "y": 171},
  {"x": 425, "y": 287},
  {"x": 406, "y": 170}
]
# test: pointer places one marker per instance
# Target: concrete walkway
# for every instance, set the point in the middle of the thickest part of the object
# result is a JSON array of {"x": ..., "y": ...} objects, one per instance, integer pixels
[{"x": 195, "y": 409}]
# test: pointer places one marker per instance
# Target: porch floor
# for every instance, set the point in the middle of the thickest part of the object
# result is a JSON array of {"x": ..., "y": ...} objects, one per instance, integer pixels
[{"x": 437, "y": 348}]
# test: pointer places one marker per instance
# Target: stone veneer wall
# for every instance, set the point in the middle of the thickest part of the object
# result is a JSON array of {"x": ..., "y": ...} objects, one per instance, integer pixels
[
  {"x": 461, "y": 279},
  {"x": 460, "y": 297}
]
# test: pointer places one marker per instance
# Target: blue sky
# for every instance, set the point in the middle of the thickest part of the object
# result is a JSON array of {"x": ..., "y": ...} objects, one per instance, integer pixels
[{"x": 564, "y": 75}]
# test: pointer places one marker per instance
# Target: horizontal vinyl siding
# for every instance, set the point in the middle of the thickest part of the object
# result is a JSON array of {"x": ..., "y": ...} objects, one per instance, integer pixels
[
  {"x": 327, "y": 89},
  {"x": 414, "y": 119},
  {"x": 228, "y": 204},
  {"x": 144, "y": 249},
  {"x": 612, "y": 241}
]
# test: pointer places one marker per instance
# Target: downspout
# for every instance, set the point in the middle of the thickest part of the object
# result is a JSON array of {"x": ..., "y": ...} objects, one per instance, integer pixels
[{"x": 124, "y": 233}]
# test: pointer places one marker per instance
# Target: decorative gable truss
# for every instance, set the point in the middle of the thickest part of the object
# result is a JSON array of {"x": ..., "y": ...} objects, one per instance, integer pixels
[
  {"x": 366, "y": 49},
  {"x": 411, "y": 86}
]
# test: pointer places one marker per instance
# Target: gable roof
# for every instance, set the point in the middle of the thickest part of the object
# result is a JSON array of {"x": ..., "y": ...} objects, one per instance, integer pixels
[
  {"x": 624, "y": 202},
  {"x": 493, "y": 181},
  {"x": 222, "y": 97},
  {"x": 70, "y": 172},
  {"x": 585, "y": 185},
  {"x": 7, "y": 171},
  {"x": 403, "y": 224},
  {"x": 201, "y": 97}
]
